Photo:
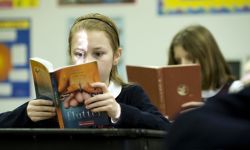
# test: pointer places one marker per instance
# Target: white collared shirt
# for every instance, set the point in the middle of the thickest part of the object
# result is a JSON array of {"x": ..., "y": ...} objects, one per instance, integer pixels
[{"x": 115, "y": 89}]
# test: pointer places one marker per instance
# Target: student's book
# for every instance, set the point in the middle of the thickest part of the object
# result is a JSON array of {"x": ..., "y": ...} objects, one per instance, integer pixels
[
  {"x": 168, "y": 87},
  {"x": 57, "y": 85}
]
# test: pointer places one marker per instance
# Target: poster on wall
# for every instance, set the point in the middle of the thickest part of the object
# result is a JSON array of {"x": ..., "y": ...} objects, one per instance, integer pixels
[
  {"x": 202, "y": 6},
  {"x": 14, "y": 58},
  {"x": 12, "y": 4},
  {"x": 67, "y": 2}
]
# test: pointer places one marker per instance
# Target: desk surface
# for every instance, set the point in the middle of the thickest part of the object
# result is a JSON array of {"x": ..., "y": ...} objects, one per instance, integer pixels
[
  {"x": 34, "y": 138},
  {"x": 107, "y": 132}
]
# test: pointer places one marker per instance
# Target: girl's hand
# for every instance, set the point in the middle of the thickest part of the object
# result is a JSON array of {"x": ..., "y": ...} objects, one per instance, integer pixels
[
  {"x": 40, "y": 109},
  {"x": 190, "y": 105},
  {"x": 98, "y": 103},
  {"x": 103, "y": 102}
]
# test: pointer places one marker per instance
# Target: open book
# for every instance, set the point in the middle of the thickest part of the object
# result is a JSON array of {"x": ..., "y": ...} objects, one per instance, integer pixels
[
  {"x": 168, "y": 87},
  {"x": 57, "y": 85}
]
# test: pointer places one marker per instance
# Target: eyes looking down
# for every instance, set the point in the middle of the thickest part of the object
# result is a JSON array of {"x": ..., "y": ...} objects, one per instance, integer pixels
[
  {"x": 90, "y": 46},
  {"x": 93, "y": 45},
  {"x": 182, "y": 57}
]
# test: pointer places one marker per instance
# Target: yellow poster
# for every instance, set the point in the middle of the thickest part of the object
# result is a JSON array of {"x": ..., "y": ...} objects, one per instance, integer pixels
[
  {"x": 203, "y": 6},
  {"x": 19, "y": 3}
]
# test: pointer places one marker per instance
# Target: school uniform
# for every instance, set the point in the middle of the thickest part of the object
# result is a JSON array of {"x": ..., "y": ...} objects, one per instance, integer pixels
[
  {"x": 224, "y": 89},
  {"x": 222, "y": 123},
  {"x": 136, "y": 112}
]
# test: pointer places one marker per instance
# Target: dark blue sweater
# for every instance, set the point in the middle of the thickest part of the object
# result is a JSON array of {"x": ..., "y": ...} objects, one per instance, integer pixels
[
  {"x": 222, "y": 123},
  {"x": 136, "y": 112}
]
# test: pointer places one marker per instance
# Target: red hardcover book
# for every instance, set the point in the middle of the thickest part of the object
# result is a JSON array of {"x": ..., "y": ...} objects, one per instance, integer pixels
[{"x": 168, "y": 87}]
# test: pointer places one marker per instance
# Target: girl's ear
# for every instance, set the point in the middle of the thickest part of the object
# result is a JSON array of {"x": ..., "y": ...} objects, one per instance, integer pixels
[{"x": 117, "y": 56}]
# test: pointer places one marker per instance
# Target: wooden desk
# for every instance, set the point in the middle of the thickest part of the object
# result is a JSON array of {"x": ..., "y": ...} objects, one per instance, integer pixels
[{"x": 87, "y": 139}]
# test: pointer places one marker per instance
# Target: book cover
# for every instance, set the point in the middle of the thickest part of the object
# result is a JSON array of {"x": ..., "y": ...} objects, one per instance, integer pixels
[
  {"x": 168, "y": 87},
  {"x": 57, "y": 85}
]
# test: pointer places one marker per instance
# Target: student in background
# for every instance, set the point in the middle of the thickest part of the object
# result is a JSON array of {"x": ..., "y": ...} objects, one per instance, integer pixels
[
  {"x": 195, "y": 44},
  {"x": 95, "y": 37},
  {"x": 222, "y": 123}
]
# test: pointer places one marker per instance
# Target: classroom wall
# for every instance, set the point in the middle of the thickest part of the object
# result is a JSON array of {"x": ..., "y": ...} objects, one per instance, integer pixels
[{"x": 146, "y": 34}]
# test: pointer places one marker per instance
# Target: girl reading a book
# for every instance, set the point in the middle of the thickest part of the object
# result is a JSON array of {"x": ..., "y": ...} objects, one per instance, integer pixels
[
  {"x": 195, "y": 44},
  {"x": 94, "y": 37}
]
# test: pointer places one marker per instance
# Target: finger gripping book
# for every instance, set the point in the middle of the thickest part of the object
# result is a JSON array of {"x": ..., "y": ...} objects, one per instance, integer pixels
[
  {"x": 168, "y": 87},
  {"x": 57, "y": 85}
]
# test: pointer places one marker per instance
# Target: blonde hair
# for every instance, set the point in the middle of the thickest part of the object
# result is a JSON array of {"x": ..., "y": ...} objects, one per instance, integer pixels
[{"x": 99, "y": 22}]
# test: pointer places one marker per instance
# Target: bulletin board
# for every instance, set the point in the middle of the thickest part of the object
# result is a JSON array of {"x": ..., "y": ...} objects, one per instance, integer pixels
[
  {"x": 12, "y": 4},
  {"x": 14, "y": 58},
  {"x": 203, "y": 6},
  {"x": 69, "y": 2}
]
